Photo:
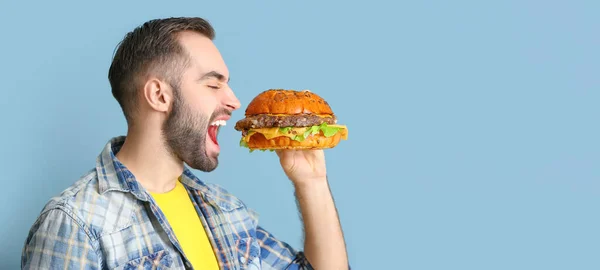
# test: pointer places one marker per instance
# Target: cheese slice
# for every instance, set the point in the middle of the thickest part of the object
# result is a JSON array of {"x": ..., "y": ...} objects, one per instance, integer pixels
[{"x": 295, "y": 133}]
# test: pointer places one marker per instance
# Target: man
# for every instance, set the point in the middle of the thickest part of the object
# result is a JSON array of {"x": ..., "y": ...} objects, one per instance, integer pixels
[{"x": 141, "y": 208}]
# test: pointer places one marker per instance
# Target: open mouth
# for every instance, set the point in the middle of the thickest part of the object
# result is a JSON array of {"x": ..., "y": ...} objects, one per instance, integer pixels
[{"x": 213, "y": 130}]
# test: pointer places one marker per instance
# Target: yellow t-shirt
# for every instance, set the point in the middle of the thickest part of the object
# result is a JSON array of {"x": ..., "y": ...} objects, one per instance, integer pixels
[{"x": 183, "y": 218}]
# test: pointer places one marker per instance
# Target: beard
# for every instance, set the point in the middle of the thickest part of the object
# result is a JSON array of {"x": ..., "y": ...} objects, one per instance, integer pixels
[{"x": 185, "y": 133}]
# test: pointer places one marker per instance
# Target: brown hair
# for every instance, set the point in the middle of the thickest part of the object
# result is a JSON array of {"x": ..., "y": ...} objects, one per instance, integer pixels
[{"x": 151, "y": 49}]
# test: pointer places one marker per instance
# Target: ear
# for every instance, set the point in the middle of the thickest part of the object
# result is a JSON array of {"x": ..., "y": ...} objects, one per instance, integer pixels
[{"x": 158, "y": 95}]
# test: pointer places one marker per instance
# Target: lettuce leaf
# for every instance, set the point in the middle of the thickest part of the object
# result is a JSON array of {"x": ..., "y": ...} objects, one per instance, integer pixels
[
  {"x": 285, "y": 129},
  {"x": 327, "y": 130},
  {"x": 243, "y": 143}
]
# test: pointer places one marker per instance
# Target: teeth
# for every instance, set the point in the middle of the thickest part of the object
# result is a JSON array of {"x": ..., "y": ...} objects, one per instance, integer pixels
[{"x": 219, "y": 123}]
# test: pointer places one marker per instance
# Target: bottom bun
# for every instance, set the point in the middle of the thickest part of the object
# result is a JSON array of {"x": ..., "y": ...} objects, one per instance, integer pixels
[{"x": 315, "y": 141}]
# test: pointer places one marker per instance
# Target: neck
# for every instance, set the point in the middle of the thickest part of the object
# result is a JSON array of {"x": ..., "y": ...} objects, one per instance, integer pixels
[{"x": 144, "y": 153}]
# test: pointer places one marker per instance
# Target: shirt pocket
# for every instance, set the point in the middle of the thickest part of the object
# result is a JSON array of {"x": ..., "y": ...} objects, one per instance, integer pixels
[
  {"x": 248, "y": 252},
  {"x": 158, "y": 260}
]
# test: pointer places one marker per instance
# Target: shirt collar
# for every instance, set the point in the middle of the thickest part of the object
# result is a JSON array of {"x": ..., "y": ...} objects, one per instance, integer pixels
[{"x": 114, "y": 176}]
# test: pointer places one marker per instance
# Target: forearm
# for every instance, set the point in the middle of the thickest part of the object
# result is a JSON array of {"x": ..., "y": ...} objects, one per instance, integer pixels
[{"x": 324, "y": 244}]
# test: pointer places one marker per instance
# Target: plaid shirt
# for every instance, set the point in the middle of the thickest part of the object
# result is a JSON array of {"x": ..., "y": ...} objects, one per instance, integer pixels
[{"x": 106, "y": 220}]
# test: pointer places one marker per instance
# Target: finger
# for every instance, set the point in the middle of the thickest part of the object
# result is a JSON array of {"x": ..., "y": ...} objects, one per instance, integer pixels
[{"x": 317, "y": 153}]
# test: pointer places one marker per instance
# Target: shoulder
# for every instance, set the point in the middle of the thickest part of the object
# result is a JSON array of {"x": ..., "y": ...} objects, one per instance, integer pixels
[
  {"x": 84, "y": 205},
  {"x": 224, "y": 198},
  {"x": 230, "y": 204}
]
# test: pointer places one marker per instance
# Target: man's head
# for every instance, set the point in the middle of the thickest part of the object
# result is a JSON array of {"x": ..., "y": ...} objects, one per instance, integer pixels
[{"x": 168, "y": 75}]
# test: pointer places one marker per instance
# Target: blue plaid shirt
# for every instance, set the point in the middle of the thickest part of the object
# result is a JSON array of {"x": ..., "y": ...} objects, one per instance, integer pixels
[{"x": 106, "y": 220}]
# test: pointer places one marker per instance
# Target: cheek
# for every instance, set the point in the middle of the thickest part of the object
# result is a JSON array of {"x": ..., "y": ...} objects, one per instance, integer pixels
[
  {"x": 204, "y": 106},
  {"x": 201, "y": 101}
]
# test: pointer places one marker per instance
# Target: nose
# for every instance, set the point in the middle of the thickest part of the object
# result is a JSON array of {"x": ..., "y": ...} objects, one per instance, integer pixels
[{"x": 231, "y": 101}]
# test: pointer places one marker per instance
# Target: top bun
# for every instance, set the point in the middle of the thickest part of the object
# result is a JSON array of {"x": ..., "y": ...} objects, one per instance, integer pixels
[{"x": 281, "y": 101}]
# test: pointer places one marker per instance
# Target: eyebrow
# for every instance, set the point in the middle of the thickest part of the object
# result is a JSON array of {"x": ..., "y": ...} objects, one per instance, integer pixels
[{"x": 214, "y": 74}]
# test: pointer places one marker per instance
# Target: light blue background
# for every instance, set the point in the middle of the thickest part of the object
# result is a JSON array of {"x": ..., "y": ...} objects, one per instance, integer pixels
[{"x": 474, "y": 135}]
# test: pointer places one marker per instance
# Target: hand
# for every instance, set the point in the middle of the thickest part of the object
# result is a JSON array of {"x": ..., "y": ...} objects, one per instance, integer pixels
[
  {"x": 303, "y": 166},
  {"x": 324, "y": 244}
]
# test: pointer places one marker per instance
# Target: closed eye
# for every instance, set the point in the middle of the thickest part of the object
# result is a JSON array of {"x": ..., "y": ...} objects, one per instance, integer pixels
[{"x": 214, "y": 86}]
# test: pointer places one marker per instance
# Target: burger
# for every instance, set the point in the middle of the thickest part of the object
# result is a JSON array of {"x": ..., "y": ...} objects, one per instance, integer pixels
[{"x": 289, "y": 119}]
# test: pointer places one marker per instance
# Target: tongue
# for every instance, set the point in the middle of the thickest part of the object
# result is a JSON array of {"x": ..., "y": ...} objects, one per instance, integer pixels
[{"x": 212, "y": 133}]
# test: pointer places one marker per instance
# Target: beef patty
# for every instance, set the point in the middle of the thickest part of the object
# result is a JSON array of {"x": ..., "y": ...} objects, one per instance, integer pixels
[{"x": 267, "y": 121}]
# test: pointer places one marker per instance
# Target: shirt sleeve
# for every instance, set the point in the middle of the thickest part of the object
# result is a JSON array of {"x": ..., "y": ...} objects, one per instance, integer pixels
[
  {"x": 278, "y": 255},
  {"x": 57, "y": 241}
]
